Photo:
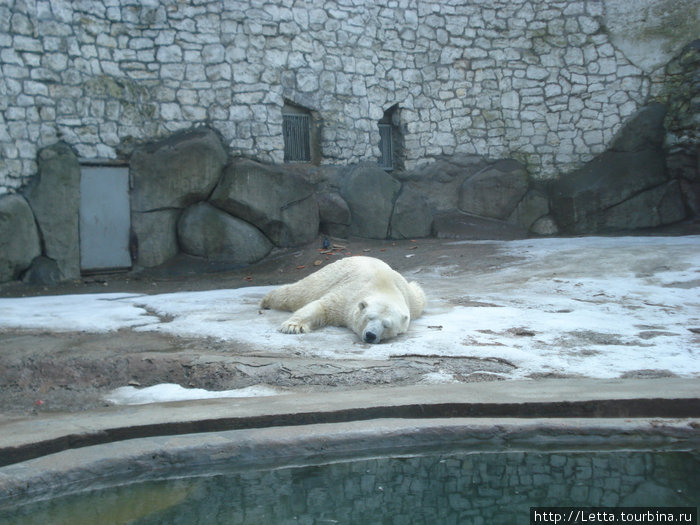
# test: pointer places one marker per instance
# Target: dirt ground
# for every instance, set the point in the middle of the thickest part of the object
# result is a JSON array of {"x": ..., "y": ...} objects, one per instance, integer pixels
[{"x": 42, "y": 371}]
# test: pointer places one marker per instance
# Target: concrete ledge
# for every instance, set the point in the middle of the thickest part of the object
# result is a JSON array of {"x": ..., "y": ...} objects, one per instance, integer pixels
[
  {"x": 188, "y": 455},
  {"x": 25, "y": 439}
]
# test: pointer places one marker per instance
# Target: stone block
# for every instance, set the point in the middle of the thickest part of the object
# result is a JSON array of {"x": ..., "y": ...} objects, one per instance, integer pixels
[
  {"x": 691, "y": 195},
  {"x": 176, "y": 172},
  {"x": 580, "y": 201},
  {"x": 370, "y": 193},
  {"x": 206, "y": 231},
  {"x": 43, "y": 272},
  {"x": 439, "y": 182},
  {"x": 458, "y": 225},
  {"x": 411, "y": 217},
  {"x": 19, "y": 238},
  {"x": 654, "y": 207},
  {"x": 156, "y": 236},
  {"x": 54, "y": 197},
  {"x": 334, "y": 214},
  {"x": 332, "y": 208},
  {"x": 278, "y": 202},
  {"x": 495, "y": 191},
  {"x": 544, "y": 226},
  {"x": 532, "y": 207},
  {"x": 645, "y": 130}
]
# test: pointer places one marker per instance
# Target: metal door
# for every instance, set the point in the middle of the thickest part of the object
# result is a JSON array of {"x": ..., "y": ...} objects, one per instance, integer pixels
[{"x": 105, "y": 218}]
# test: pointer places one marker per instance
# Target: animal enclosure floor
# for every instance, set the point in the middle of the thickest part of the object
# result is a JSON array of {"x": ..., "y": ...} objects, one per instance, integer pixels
[{"x": 589, "y": 307}]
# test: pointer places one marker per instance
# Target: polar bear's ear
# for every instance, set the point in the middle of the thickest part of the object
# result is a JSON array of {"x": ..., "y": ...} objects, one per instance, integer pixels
[{"x": 362, "y": 305}]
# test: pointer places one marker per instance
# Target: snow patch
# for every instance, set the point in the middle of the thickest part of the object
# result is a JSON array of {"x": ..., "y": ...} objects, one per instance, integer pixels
[{"x": 168, "y": 392}]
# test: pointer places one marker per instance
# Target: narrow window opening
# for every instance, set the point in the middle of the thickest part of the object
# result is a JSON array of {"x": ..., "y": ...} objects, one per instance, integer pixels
[
  {"x": 298, "y": 133},
  {"x": 390, "y": 140},
  {"x": 297, "y": 146},
  {"x": 386, "y": 158}
]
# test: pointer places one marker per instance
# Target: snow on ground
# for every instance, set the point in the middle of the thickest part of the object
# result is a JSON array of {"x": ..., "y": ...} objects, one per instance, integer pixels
[
  {"x": 168, "y": 392},
  {"x": 596, "y": 307}
]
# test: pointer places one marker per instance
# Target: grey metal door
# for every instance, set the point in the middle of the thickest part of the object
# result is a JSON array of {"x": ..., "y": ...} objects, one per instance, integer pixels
[{"x": 105, "y": 218}]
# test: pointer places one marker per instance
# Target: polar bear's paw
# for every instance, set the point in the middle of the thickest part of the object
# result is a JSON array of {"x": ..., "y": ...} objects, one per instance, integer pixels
[
  {"x": 267, "y": 301},
  {"x": 294, "y": 326}
]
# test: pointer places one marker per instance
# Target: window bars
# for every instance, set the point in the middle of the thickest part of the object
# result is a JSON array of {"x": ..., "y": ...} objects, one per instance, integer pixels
[
  {"x": 386, "y": 148},
  {"x": 296, "y": 132}
]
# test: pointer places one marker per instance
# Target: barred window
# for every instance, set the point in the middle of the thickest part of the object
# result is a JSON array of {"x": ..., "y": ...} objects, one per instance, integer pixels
[
  {"x": 386, "y": 149},
  {"x": 296, "y": 132},
  {"x": 391, "y": 140}
]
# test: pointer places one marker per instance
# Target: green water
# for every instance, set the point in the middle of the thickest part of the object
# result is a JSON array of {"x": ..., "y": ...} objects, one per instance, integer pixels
[{"x": 479, "y": 488}]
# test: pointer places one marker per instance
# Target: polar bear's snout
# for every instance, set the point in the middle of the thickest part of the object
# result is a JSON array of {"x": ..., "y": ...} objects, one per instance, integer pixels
[{"x": 373, "y": 332}]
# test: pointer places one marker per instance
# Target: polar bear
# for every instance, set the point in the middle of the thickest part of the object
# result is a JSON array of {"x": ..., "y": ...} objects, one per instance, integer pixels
[{"x": 361, "y": 293}]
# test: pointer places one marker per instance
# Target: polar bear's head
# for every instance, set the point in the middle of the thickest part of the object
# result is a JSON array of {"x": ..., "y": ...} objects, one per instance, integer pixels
[{"x": 378, "y": 319}]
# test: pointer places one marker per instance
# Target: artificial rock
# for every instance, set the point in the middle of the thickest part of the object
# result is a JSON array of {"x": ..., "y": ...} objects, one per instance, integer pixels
[
  {"x": 278, "y": 202},
  {"x": 334, "y": 213},
  {"x": 411, "y": 217},
  {"x": 155, "y": 236},
  {"x": 495, "y": 191},
  {"x": 626, "y": 187},
  {"x": 19, "y": 238},
  {"x": 205, "y": 231},
  {"x": 177, "y": 171},
  {"x": 43, "y": 271},
  {"x": 370, "y": 193},
  {"x": 54, "y": 197}
]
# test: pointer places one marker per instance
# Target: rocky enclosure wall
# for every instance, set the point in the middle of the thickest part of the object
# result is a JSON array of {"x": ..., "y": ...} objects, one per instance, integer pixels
[
  {"x": 490, "y": 100},
  {"x": 545, "y": 82},
  {"x": 188, "y": 197}
]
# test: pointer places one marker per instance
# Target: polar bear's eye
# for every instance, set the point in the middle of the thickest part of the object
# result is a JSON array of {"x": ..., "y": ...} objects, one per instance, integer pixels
[{"x": 362, "y": 305}]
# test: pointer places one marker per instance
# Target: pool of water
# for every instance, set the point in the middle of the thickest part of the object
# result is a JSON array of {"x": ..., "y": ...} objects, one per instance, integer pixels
[{"x": 432, "y": 488}]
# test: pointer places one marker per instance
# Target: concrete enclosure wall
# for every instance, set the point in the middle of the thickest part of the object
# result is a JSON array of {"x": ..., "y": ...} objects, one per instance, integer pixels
[{"x": 545, "y": 82}]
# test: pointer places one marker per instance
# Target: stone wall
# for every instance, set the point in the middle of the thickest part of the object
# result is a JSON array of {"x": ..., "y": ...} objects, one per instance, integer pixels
[
  {"x": 187, "y": 196},
  {"x": 477, "y": 488},
  {"x": 545, "y": 82}
]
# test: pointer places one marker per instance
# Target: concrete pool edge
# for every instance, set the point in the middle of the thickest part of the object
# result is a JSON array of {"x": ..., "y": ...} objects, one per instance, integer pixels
[
  {"x": 190, "y": 455},
  {"x": 27, "y": 438},
  {"x": 22, "y": 439}
]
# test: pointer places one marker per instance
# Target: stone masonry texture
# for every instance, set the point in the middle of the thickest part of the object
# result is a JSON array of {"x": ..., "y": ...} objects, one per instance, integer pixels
[
  {"x": 539, "y": 81},
  {"x": 474, "y": 488}
]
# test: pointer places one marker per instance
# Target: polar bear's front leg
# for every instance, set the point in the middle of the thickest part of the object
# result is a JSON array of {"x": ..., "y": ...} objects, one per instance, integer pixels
[{"x": 306, "y": 319}]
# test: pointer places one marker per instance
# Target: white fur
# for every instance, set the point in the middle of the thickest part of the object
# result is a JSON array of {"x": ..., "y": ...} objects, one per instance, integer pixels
[{"x": 361, "y": 293}]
